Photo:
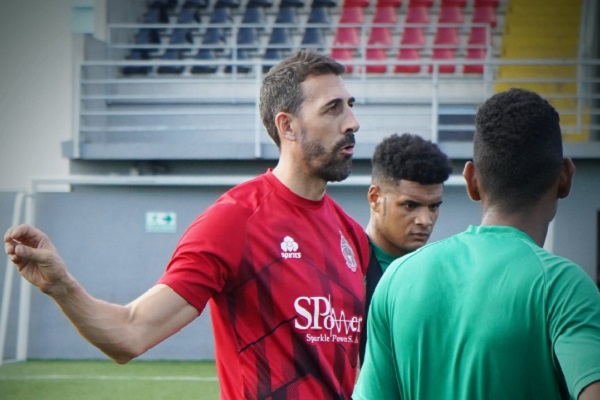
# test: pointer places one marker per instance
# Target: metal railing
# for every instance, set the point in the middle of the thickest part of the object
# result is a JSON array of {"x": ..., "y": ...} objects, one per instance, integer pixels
[{"x": 117, "y": 107}]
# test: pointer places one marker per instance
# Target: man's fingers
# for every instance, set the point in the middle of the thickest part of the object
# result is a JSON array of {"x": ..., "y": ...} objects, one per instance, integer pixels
[
  {"x": 24, "y": 234},
  {"x": 40, "y": 256}
]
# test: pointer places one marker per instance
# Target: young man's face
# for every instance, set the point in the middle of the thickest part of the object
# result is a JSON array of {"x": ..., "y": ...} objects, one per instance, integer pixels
[
  {"x": 403, "y": 214},
  {"x": 325, "y": 128}
]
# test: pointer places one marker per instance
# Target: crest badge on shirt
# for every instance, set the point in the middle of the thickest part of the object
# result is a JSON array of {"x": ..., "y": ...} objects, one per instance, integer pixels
[{"x": 348, "y": 253}]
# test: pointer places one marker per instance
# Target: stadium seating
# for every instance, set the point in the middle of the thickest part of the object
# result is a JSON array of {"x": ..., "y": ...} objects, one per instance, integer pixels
[
  {"x": 349, "y": 36},
  {"x": 385, "y": 15},
  {"x": 343, "y": 56},
  {"x": 352, "y": 15},
  {"x": 408, "y": 54},
  {"x": 375, "y": 54},
  {"x": 281, "y": 29},
  {"x": 313, "y": 38},
  {"x": 417, "y": 14}
]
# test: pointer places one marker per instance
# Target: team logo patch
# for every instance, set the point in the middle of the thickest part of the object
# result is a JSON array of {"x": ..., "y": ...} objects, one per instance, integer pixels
[
  {"x": 348, "y": 253},
  {"x": 289, "y": 248}
]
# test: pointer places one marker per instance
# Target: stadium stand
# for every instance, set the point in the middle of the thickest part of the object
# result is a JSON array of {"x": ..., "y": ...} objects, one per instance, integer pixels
[{"x": 434, "y": 58}]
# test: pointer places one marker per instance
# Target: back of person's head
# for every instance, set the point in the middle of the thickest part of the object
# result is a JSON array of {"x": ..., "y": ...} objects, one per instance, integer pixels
[
  {"x": 517, "y": 148},
  {"x": 409, "y": 157},
  {"x": 281, "y": 89}
]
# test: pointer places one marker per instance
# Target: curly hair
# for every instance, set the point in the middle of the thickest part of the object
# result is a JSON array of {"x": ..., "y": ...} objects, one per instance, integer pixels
[
  {"x": 281, "y": 88},
  {"x": 517, "y": 148},
  {"x": 409, "y": 157}
]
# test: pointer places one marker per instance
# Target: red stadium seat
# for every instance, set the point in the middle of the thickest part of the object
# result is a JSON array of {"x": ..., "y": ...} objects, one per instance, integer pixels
[
  {"x": 356, "y": 3},
  {"x": 443, "y": 54},
  {"x": 451, "y": 15},
  {"x": 447, "y": 37},
  {"x": 417, "y": 15},
  {"x": 347, "y": 36},
  {"x": 408, "y": 54},
  {"x": 376, "y": 55},
  {"x": 343, "y": 56},
  {"x": 389, "y": 3},
  {"x": 380, "y": 35},
  {"x": 478, "y": 35},
  {"x": 413, "y": 36},
  {"x": 453, "y": 3},
  {"x": 420, "y": 3},
  {"x": 486, "y": 3},
  {"x": 474, "y": 54},
  {"x": 484, "y": 15},
  {"x": 352, "y": 15},
  {"x": 385, "y": 15}
]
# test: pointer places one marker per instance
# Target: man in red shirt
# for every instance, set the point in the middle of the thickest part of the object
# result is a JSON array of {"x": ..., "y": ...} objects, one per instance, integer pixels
[{"x": 279, "y": 262}]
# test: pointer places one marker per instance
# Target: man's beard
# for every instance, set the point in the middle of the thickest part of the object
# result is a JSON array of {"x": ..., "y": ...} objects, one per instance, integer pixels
[{"x": 330, "y": 166}]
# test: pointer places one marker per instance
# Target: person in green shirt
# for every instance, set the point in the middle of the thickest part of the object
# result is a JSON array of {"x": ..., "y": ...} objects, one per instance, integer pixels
[
  {"x": 488, "y": 313},
  {"x": 407, "y": 185}
]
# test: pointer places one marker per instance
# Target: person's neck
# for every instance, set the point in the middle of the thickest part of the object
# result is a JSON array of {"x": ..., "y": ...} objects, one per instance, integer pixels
[
  {"x": 308, "y": 187},
  {"x": 534, "y": 222},
  {"x": 379, "y": 240}
]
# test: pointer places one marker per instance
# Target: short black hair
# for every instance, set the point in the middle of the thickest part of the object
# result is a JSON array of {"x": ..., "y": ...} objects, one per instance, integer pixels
[
  {"x": 409, "y": 157},
  {"x": 517, "y": 148}
]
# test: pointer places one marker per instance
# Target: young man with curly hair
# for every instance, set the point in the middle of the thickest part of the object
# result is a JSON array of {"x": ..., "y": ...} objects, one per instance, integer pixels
[{"x": 407, "y": 185}]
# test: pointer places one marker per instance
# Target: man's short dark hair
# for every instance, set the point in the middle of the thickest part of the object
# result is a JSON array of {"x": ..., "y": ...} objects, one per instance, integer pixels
[
  {"x": 281, "y": 89},
  {"x": 517, "y": 148},
  {"x": 409, "y": 157}
]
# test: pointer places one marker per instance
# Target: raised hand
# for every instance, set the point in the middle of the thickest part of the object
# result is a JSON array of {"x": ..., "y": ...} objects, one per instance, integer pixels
[{"x": 35, "y": 257}]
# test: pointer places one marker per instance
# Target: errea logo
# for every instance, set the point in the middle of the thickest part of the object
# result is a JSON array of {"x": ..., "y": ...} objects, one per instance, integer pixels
[{"x": 290, "y": 248}]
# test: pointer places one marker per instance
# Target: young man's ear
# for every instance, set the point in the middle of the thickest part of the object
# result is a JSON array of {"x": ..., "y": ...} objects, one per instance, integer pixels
[
  {"x": 283, "y": 121},
  {"x": 567, "y": 170},
  {"x": 471, "y": 181},
  {"x": 374, "y": 197}
]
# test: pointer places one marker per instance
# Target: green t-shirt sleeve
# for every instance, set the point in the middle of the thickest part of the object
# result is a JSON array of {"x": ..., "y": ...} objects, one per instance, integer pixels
[
  {"x": 377, "y": 378},
  {"x": 573, "y": 303}
]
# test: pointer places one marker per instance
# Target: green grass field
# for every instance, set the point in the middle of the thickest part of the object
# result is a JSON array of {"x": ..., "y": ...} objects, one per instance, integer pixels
[{"x": 96, "y": 380}]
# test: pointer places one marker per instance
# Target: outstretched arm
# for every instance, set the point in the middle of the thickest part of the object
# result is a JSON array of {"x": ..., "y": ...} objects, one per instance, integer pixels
[{"x": 122, "y": 332}]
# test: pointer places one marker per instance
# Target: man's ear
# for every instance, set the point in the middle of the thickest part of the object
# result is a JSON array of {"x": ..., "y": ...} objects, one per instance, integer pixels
[
  {"x": 471, "y": 181},
  {"x": 283, "y": 121},
  {"x": 567, "y": 170},
  {"x": 374, "y": 197}
]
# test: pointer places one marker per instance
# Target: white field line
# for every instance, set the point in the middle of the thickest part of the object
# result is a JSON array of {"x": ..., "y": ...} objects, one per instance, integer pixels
[{"x": 107, "y": 378}]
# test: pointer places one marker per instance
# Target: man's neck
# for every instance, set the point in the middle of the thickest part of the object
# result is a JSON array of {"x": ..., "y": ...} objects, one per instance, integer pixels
[
  {"x": 308, "y": 187},
  {"x": 533, "y": 223}
]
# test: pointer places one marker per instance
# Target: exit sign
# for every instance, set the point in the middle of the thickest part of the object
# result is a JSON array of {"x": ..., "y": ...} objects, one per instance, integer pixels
[{"x": 161, "y": 222}]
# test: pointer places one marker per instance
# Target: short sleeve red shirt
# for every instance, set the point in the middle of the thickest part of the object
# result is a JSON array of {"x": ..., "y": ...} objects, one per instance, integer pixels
[{"x": 284, "y": 278}]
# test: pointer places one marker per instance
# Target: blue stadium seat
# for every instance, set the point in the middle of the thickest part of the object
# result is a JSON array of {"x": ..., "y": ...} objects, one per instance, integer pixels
[
  {"x": 286, "y": 15},
  {"x": 214, "y": 37},
  {"x": 227, "y": 4},
  {"x": 318, "y": 15},
  {"x": 242, "y": 54},
  {"x": 324, "y": 3},
  {"x": 137, "y": 55},
  {"x": 253, "y": 15},
  {"x": 247, "y": 38},
  {"x": 275, "y": 55},
  {"x": 291, "y": 3},
  {"x": 220, "y": 15},
  {"x": 204, "y": 54},
  {"x": 259, "y": 3},
  {"x": 196, "y": 3},
  {"x": 313, "y": 38}
]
